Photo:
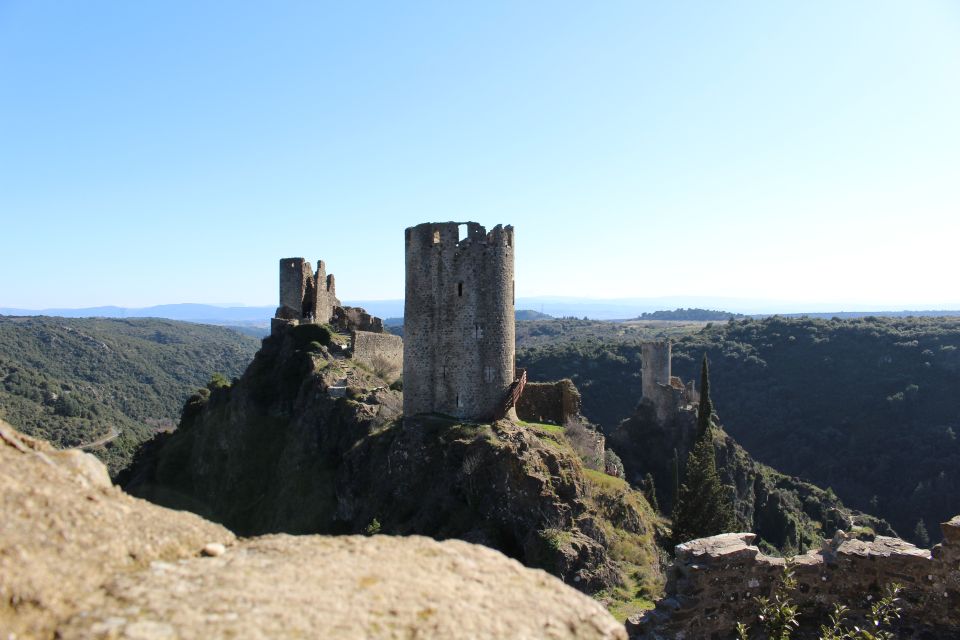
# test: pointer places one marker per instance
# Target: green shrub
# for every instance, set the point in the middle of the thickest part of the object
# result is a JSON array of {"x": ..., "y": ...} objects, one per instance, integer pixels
[
  {"x": 67, "y": 406},
  {"x": 778, "y": 616},
  {"x": 218, "y": 381},
  {"x": 305, "y": 334}
]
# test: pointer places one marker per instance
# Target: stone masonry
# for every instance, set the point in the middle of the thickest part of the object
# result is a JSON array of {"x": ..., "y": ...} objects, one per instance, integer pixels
[
  {"x": 305, "y": 295},
  {"x": 667, "y": 392},
  {"x": 459, "y": 343},
  {"x": 381, "y": 351},
  {"x": 555, "y": 402},
  {"x": 713, "y": 582}
]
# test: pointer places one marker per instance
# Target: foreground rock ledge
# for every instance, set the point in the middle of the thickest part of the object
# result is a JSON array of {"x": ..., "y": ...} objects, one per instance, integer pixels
[
  {"x": 345, "y": 587},
  {"x": 81, "y": 559}
]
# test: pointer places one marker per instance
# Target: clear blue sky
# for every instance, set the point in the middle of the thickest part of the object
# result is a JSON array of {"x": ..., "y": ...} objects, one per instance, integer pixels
[{"x": 163, "y": 151}]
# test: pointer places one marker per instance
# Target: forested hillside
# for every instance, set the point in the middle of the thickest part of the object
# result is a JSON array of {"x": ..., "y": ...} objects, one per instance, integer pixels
[
  {"x": 869, "y": 407},
  {"x": 76, "y": 380}
]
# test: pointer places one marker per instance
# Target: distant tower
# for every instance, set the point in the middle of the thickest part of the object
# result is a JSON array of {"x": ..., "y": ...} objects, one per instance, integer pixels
[
  {"x": 459, "y": 341},
  {"x": 305, "y": 295},
  {"x": 656, "y": 368},
  {"x": 667, "y": 392}
]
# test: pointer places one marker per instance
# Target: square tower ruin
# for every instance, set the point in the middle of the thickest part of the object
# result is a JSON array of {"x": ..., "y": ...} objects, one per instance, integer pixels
[
  {"x": 305, "y": 295},
  {"x": 459, "y": 331}
]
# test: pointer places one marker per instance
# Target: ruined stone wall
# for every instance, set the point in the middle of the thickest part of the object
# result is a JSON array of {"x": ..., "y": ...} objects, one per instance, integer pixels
[
  {"x": 325, "y": 296},
  {"x": 554, "y": 402},
  {"x": 383, "y": 352},
  {"x": 356, "y": 319},
  {"x": 459, "y": 339},
  {"x": 712, "y": 583}
]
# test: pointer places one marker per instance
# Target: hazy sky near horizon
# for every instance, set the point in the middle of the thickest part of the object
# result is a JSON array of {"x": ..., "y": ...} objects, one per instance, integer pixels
[{"x": 171, "y": 151}]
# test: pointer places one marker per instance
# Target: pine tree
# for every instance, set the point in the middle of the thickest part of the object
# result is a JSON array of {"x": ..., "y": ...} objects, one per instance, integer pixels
[
  {"x": 650, "y": 491},
  {"x": 920, "y": 535},
  {"x": 703, "y": 507},
  {"x": 705, "y": 410}
]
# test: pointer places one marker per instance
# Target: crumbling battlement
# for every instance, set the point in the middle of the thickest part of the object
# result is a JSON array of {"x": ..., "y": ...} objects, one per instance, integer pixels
[
  {"x": 459, "y": 339},
  {"x": 712, "y": 583},
  {"x": 667, "y": 392},
  {"x": 305, "y": 295},
  {"x": 555, "y": 402},
  {"x": 355, "y": 318}
]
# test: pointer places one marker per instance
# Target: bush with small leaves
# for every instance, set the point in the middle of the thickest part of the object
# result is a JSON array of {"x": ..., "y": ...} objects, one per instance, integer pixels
[{"x": 778, "y": 617}]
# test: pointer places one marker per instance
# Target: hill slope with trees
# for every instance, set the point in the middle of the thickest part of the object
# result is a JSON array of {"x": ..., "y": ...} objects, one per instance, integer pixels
[
  {"x": 77, "y": 380},
  {"x": 869, "y": 407}
]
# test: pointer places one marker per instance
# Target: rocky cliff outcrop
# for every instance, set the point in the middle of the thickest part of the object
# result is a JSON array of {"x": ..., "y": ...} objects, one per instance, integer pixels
[
  {"x": 714, "y": 582},
  {"x": 308, "y": 442},
  {"x": 80, "y": 559},
  {"x": 786, "y": 513}
]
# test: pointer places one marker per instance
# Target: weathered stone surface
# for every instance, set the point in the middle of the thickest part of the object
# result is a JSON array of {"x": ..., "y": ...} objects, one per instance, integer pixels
[
  {"x": 726, "y": 545},
  {"x": 62, "y": 533},
  {"x": 82, "y": 560},
  {"x": 713, "y": 581},
  {"x": 346, "y": 587},
  {"x": 951, "y": 530}
]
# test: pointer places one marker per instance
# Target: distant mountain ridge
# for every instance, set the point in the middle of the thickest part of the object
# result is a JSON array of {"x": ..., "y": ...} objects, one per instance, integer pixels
[
  {"x": 184, "y": 311},
  {"x": 557, "y": 307}
]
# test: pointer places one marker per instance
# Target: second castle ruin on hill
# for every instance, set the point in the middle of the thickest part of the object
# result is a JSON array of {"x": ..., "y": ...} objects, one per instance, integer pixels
[{"x": 308, "y": 297}]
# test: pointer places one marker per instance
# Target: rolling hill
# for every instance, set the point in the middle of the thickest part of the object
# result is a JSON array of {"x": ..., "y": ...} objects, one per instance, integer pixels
[{"x": 79, "y": 380}]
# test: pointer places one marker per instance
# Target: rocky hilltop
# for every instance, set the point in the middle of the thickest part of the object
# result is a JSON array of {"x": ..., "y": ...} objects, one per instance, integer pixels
[
  {"x": 307, "y": 441},
  {"x": 81, "y": 559}
]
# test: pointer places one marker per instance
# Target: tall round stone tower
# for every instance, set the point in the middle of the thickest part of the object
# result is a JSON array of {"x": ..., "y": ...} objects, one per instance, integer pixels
[
  {"x": 656, "y": 367},
  {"x": 458, "y": 336}
]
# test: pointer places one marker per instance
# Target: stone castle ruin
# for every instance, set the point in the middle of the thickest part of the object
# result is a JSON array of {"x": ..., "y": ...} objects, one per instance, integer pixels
[
  {"x": 458, "y": 355},
  {"x": 459, "y": 346},
  {"x": 310, "y": 297},
  {"x": 306, "y": 296},
  {"x": 668, "y": 394}
]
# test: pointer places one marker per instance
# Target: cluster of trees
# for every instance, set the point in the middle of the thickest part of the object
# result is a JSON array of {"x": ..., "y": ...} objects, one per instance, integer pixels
[
  {"x": 72, "y": 381},
  {"x": 695, "y": 314}
]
